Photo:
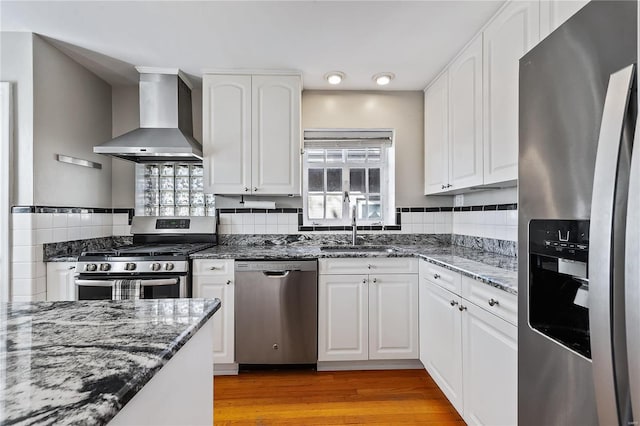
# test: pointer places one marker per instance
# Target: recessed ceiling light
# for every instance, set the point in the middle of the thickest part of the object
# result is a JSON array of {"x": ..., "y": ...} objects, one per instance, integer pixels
[
  {"x": 383, "y": 78},
  {"x": 334, "y": 77}
]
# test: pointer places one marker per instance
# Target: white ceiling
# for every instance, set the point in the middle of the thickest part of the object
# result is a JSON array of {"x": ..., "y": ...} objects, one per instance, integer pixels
[{"x": 413, "y": 39}]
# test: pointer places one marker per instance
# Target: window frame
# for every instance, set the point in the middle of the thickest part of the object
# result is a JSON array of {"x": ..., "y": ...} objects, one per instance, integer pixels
[{"x": 387, "y": 181}]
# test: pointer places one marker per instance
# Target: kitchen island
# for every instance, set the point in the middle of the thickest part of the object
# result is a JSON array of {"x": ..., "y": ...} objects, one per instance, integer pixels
[{"x": 94, "y": 362}]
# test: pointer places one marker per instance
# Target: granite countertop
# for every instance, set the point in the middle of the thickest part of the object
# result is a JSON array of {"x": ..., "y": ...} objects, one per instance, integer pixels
[
  {"x": 493, "y": 269},
  {"x": 81, "y": 362}
]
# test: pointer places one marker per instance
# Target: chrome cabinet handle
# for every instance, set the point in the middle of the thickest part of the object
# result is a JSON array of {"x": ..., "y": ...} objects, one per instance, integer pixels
[
  {"x": 364, "y": 281},
  {"x": 369, "y": 266},
  {"x": 228, "y": 282},
  {"x": 72, "y": 267},
  {"x": 246, "y": 189},
  {"x": 255, "y": 189},
  {"x": 436, "y": 276},
  {"x": 453, "y": 303},
  {"x": 462, "y": 308},
  {"x": 493, "y": 302},
  {"x": 375, "y": 280},
  {"x": 449, "y": 185},
  {"x": 443, "y": 187},
  {"x": 213, "y": 268}
]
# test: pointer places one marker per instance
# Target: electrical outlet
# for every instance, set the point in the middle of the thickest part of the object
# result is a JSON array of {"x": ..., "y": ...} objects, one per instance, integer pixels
[{"x": 458, "y": 200}]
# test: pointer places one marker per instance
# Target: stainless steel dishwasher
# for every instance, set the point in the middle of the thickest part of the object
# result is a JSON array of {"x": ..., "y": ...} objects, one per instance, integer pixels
[{"x": 276, "y": 312}]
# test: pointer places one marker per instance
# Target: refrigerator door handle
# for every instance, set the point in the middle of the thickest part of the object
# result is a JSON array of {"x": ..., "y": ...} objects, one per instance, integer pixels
[
  {"x": 632, "y": 277},
  {"x": 601, "y": 243}
]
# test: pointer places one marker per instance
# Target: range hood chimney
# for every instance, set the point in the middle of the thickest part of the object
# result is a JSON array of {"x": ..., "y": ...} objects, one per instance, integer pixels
[{"x": 166, "y": 122}]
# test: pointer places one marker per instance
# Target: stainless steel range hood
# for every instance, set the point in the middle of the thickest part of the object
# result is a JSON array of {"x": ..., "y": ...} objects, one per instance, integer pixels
[{"x": 166, "y": 123}]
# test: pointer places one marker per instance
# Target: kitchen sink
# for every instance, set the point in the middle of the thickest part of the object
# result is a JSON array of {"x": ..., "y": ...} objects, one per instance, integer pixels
[{"x": 364, "y": 248}]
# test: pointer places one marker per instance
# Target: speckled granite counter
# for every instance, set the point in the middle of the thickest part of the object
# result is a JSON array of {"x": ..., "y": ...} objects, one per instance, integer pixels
[
  {"x": 81, "y": 362},
  {"x": 493, "y": 269}
]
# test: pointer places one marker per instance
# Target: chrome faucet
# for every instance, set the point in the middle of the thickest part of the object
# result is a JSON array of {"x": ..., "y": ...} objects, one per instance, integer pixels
[{"x": 354, "y": 227}]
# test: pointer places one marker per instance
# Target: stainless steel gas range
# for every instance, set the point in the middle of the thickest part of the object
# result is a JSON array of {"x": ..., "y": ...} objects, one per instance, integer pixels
[{"x": 157, "y": 265}]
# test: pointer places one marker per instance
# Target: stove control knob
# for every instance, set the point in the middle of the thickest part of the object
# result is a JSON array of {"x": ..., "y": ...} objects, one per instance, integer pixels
[
  {"x": 168, "y": 266},
  {"x": 105, "y": 267},
  {"x": 130, "y": 266},
  {"x": 91, "y": 267},
  {"x": 156, "y": 266}
]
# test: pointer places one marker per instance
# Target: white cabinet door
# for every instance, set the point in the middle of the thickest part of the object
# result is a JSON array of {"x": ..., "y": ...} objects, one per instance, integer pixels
[
  {"x": 490, "y": 368},
  {"x": 226, "y": 133},
  {"x": 436, "y": 136},
  {"x": 222, "y": 288},
  {"x": 61, "y": 283},
  {"x": 465, "y": 118},
  {"x": 276, "y": 135},
  {"x": 393, "y": 316},
  {"x": 554, "y": 13},
  {"x": 441, "y": 340},
  {"x": 510, "y": 35},
  {"x": 343, "y": 313}
]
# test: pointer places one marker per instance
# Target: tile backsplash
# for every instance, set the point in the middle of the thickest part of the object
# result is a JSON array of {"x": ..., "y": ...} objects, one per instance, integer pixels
[
  {"x": 490, "y": 228},
  {"x": 495, "y": 224},
  {"x": 32, "y": 227}
]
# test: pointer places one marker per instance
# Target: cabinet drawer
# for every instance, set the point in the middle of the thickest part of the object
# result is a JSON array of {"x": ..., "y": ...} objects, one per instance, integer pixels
[
  {"x": 211, "y": 267},
  {"x": 443, "y": 277},
  {"x": 491, "y": 299},
  {"x": 378, "y": 265}
]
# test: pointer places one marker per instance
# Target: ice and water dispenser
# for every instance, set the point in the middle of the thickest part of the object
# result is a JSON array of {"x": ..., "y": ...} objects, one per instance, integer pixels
[{"x": 558, "y": 282}]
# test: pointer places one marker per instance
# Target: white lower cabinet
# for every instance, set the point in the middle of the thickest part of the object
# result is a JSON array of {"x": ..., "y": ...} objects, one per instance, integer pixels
[
  {"x": 61, "y": 282},
  {"x": 470, "y": 352},
  {"x": 490, "y": 367},
  {"x": 367, "y": 316},
  {"x": 213, "y": 278},
  {"x": 343, "y": 314},
  {"x": 441, "y": 339}
]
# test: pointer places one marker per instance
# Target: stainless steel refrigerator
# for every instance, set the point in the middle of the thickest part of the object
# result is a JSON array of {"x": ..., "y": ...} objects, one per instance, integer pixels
[{"x": 579, "y": 223}]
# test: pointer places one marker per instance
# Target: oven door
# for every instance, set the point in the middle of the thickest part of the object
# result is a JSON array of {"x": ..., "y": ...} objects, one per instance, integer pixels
[{"x": 151, "y": 287}]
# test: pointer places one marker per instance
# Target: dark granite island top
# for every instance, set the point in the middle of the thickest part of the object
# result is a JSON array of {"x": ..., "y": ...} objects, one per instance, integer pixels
[{"x": 81, "y": 362}]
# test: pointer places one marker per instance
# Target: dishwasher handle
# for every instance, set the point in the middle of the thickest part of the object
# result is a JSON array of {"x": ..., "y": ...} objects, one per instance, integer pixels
[{"x": 276, "y": 274}]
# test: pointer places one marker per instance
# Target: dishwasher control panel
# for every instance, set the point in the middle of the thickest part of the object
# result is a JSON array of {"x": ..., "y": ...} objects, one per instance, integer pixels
[{"x": 275, "y": 265}]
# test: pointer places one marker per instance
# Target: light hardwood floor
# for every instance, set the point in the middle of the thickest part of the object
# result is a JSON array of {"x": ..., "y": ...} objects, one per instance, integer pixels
[{"x": 330, "y": 398}]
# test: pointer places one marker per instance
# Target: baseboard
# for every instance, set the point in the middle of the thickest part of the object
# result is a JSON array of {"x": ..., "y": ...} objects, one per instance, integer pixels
[
  {"x": 404, "y": 364},
  {"x": 225, "y": 369}
]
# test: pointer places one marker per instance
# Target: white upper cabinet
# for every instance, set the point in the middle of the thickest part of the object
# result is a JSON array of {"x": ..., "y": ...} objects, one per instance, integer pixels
[
  {"x": 251, "y": 132},
  {"x": 514, "y": 31},
  {"x": 465, "y": 118},
  {"x": 276, "y": 134},
  {"x": 226, "y": 133},
  {"x": 436, "y": 136},
  {"x": 554, "y": 13}
]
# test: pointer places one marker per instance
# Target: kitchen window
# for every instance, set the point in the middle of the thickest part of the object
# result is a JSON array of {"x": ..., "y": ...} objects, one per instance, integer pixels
[
  {"x": 343, "y": 169},
  {"x": 172, "y": 189}
]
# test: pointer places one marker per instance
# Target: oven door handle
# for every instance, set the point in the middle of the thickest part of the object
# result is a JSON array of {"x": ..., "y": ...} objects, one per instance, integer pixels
[
  {"x": 143, "y": 282},
  {"x": 168, "y": 281},
  {"x": 95, "y": 283}
]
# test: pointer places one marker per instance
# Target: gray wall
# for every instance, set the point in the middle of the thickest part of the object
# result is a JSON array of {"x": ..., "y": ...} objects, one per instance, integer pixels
[
  {"x": 16, "y": 66},
  {"x": 126, "y": 117},
  {"x": 402, "y": 111},
  {"x": 72, "y": 113}
]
